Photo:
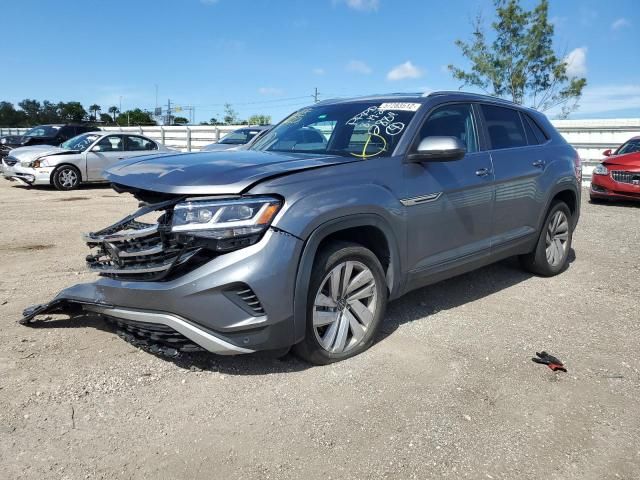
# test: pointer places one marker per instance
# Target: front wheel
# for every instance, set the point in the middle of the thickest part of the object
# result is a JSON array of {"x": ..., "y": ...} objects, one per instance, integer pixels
[
  {"x": 66, "y": 177},
  {"x": 551, "y": 255},
  {"x": 345, "y": 306}
]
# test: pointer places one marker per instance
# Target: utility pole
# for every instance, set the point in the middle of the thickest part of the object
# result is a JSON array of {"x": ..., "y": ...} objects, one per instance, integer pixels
[
  {"x": 156, "y": 85},
  {"x": 168, "y": 112},
  {"x": 315, "y": 95}
]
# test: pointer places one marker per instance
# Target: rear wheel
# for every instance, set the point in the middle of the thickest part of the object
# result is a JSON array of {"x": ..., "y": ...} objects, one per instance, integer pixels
[
  {"x": 345, "y": 305},
  {"x": 551, "y": 255},
  {"x": 66, "y": 177}
]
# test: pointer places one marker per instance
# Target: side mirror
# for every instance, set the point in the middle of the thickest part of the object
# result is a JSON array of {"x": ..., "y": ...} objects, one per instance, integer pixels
[
  {"x": 438, "y": 149},
  {"x": 96, "y": 148},
  {"x": 607, "y": 153}
]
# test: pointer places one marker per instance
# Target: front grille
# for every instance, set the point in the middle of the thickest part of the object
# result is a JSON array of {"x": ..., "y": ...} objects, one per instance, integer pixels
[
  {"x": 621, "y": 176},
  {"x": 10, "y": 161},
  {"x": 136, "y": 250}
]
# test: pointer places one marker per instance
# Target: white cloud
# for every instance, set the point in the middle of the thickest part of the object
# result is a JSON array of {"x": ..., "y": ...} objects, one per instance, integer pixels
[
  {"x": 360, "y": 5},
  {"x": 620, "y": 23},
  {"x": 270, "y": 91},
  {"x": 403, "y": 71},
  {"x": 358, "y": 66},
  {"x": 318, "y": 71},
  {"x": 576, "y": 62},
  {"x": 609, "y": 98}
]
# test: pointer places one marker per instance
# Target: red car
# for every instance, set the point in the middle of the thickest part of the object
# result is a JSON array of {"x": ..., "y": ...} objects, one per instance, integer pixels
[{"x": 618, "y": 177}]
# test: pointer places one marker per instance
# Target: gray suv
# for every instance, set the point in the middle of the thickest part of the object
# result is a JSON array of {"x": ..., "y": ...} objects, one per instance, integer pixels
[{"x": 302, "y": 239}]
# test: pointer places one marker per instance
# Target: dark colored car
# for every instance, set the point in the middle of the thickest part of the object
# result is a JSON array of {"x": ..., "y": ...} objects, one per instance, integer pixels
[
  {"x": 618, "y": 176},
  {"x": 42, "y": 135},
  {"x": 303, "y": 238}
]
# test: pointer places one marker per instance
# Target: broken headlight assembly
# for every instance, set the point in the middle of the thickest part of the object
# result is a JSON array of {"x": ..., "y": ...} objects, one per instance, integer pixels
[{"x": 223, "y": 225}]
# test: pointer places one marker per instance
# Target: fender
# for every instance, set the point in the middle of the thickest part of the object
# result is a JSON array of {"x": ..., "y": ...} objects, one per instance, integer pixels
[
  {"x": 564, "y": 185},
  {"x": 310, "y": 248}
]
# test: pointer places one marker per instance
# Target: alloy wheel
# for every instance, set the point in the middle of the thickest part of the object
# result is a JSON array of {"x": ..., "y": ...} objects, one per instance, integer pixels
[
  {"x": 344, "y": 306},
  {"x": 557, "y": 237},
  {"x": 68, "y": 178}
]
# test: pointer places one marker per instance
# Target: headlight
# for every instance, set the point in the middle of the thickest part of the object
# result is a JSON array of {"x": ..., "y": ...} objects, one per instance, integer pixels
[
  {"x": 600, "y": 170},
  {"x": 225, "y": 224},
  {"x": 31, "y": 164}
]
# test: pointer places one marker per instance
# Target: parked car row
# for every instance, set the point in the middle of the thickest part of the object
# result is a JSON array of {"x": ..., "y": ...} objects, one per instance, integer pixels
[{"x": 57, "y": 155}]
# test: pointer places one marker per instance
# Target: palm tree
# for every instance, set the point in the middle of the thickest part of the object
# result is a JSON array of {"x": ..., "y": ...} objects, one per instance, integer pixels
[
  {"x": 113, "y": 111},
  {"x": 95, "y": 109}
]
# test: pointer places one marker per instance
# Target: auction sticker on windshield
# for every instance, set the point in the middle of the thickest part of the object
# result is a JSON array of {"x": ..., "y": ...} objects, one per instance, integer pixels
[{"x": 406, "y": 107}]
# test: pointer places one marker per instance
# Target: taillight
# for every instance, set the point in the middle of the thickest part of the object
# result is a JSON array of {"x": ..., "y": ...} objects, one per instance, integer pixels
[{"x": 577, "y": 163}]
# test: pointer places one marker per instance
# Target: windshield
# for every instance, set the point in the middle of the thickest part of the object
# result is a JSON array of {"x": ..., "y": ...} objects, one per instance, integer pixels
[
  {"x": 630, "y": 147},
  {"x": 42, "y": 131},
  {"x": 81, "y": 142},
  {"x": 358, "y": 129}
]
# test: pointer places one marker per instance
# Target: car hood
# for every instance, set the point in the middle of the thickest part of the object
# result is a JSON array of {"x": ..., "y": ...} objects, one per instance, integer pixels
[
  {"x": 212, "y": 173},
  {"x": 31, "y": 153},
  {"x": 13, "y": 139},
  {"x": 627, "y": 160}
]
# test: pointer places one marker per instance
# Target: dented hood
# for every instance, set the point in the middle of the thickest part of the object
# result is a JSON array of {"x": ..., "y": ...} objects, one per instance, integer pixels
[
  {"x": 37, "y": 151},
  {"x": 230, "y": 172}
]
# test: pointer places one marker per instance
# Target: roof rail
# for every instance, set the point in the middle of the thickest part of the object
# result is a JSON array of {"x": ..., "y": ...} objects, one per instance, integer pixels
[{"x": 478, "y": 96}]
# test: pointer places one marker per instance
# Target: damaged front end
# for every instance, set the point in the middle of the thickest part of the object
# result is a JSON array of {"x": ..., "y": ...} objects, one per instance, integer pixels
[{"x": 144, "y": 260}]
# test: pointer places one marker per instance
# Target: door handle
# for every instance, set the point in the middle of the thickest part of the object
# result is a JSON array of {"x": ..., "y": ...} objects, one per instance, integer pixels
[
  {"x": 539, "y": 164},
  {"x": 483, "y": 172}
]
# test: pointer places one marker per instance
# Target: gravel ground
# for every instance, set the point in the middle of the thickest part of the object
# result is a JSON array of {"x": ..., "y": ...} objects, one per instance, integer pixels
[{"x": 448, "y": 391}]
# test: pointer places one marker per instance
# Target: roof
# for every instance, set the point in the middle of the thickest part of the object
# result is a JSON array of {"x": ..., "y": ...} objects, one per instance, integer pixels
[{"x": 419, "y": 97}]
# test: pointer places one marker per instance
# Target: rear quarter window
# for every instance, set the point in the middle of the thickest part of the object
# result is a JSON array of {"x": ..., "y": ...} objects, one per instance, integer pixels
[
  {"x": 535, "y": 134},
  {"x": 504, "y": 127}
]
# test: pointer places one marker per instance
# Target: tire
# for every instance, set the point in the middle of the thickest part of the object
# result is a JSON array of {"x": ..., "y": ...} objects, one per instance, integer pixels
[
  {"x": 339, "y": 329},
  {"x": 66, "y": 177},
  {"x": 551, "y": 255}
]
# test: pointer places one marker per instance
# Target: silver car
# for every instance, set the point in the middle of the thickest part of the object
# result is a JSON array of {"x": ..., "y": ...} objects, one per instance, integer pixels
[
  {"x": 236, "y": 139},
  {"x": 79, "y": 159}
]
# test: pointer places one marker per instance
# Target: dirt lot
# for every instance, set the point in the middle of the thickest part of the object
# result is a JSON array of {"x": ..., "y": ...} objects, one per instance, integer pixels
[{"x": 449, "y": 390}]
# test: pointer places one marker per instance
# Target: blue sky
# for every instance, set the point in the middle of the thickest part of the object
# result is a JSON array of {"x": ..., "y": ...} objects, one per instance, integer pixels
[{"x": 267, "y": 56}]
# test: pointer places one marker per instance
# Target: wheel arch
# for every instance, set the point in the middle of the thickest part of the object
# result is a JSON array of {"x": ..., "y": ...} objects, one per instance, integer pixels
[
  {"x": 65, "y": 164},
  {"x": 369, "y": 230},
  {"x": 568, "y": 193}
]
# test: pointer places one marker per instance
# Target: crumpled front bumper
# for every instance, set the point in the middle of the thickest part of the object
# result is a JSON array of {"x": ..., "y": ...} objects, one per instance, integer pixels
[{"x": 204, "y": 304}]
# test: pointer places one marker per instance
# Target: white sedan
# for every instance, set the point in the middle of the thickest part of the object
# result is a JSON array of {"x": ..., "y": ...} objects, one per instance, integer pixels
[{"x": 79, "y": 159}]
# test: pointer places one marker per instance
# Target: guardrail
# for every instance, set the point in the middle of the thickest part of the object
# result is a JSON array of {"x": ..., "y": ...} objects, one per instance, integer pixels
[{"x": 588, "y": 137}]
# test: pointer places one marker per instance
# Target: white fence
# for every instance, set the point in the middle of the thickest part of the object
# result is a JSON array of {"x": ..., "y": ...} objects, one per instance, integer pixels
[{"x": 588, "y": 137}]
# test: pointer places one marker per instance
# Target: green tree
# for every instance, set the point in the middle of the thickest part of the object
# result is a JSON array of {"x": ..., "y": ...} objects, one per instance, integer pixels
[
  {"x": 113, "y": 111},
  {"x": 106, "y": 118},
  {"x": 135, "y": 117},
  {"x": 31, "y": 109},
  {"x": 10, "y": 117},
  {"x": 49, "y": 113},
  {"x": 259, "y": 120},
  {"x": 520, "y": 63},
  {"x": 71, "y": 111},
  {"x": 230, "y": 115},
  {"x": 180, "y": 120},
  {"x": 94, "y": 109}
]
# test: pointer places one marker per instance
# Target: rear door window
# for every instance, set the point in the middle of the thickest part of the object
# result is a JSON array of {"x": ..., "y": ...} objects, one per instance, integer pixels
[{"x": 504, "y": 127}]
